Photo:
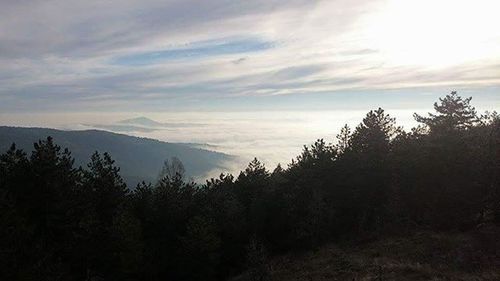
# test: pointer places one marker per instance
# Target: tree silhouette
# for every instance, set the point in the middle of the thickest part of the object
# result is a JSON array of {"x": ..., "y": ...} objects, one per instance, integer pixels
[
  {"x": 172, "y": 169},
  {"x": 59, "y": 222},
  {"x": 452, "y": 112}
]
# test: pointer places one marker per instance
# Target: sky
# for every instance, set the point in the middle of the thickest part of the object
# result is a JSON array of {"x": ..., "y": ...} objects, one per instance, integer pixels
[
  {"x": 220, "y": 55},
  {"x": 66, "y": 63}
]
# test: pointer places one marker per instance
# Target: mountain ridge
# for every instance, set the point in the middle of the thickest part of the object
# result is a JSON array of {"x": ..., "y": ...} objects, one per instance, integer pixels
[
  {"x": 141, "y": 120},
  {"x": 140, "y": 158}
]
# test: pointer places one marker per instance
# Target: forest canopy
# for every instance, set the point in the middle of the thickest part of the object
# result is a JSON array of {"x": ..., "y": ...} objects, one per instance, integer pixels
[{"x": 62, "y": 222}]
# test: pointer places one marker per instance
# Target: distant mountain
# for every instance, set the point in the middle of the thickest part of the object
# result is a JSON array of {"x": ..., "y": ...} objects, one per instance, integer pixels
[
  {"x": 140, "y": 124},
  {"x": 141, "y": 121},
  {"x": 139, "y": 158}
]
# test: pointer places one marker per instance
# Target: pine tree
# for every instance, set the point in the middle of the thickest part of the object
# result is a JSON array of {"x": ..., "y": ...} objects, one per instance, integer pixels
[{"x": 452, "y": 112}]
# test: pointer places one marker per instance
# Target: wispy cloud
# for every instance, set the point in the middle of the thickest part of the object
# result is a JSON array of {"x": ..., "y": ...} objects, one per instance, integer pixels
[
  {"x": 196, "y": 50},
  {"x": 146, "y": 55}
]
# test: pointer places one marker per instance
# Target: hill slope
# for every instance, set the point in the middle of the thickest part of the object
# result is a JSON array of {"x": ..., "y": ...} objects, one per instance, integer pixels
[
  {"x": 139, "y": 158},
  {"x": 419, "y": 256}
]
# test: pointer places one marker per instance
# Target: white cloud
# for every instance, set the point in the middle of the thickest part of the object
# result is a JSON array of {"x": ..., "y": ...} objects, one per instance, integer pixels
[{"x": 61, "y": 52}]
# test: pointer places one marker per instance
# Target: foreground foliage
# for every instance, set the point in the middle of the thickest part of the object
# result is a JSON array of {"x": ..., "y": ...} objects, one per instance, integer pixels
[
  {"x": 59, "y": 222},
  {"x": 414, "y": 256}
]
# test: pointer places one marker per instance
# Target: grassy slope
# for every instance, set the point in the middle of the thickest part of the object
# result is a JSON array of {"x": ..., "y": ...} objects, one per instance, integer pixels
[{"x": 420, "y": 256}]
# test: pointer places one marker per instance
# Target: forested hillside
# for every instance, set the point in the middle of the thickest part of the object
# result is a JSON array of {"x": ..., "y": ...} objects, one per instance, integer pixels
[
  {"x": 59, "y": 222},
  {"x": 140, "y": 159}
]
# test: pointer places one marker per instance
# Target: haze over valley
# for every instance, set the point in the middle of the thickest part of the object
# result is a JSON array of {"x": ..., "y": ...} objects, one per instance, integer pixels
[
  {"x": 272, "y": 136},
  {"x": 250, "y": 140}
]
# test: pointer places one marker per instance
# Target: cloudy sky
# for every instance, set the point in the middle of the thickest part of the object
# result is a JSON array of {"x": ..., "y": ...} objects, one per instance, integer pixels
[
  {"x": 261, "y": 75},
  {"x": 220, "y": 55}
]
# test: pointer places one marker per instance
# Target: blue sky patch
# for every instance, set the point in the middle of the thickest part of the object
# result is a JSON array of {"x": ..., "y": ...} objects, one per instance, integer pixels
[{"x": 197, "y": 50}]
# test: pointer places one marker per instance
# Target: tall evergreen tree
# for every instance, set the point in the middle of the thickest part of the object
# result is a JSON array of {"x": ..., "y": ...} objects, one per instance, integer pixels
[
  {"x": 452, "y": 112},
  {"x": 106, "y": 194}
]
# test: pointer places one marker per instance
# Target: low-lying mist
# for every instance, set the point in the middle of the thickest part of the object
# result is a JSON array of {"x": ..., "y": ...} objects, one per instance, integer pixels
[{"x": 271, "y": 136}]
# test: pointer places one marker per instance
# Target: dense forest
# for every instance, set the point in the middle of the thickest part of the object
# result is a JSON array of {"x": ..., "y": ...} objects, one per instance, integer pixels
[{"x": 61, "y": 222}]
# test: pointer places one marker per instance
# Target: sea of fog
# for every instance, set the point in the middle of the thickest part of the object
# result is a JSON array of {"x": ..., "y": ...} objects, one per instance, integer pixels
[{"x": 271, "y": 136}]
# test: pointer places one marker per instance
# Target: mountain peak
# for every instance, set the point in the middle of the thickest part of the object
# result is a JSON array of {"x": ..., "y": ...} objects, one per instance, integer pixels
[{"x": 143, "y": 121}]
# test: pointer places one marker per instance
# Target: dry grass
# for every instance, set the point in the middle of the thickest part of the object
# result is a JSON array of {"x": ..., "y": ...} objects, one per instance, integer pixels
[{"x": 421, "y": 256}]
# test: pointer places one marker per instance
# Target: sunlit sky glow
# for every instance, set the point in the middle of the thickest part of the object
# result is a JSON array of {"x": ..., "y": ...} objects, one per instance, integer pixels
[
  {"x": 82, "y": 59},
  {"x": 161, "y": 55}
]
